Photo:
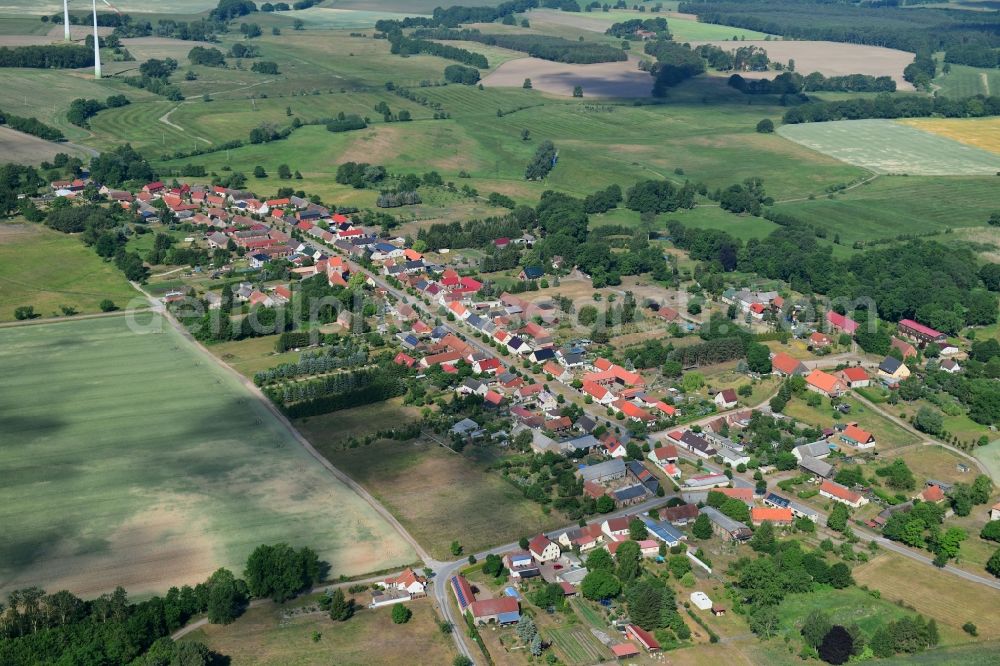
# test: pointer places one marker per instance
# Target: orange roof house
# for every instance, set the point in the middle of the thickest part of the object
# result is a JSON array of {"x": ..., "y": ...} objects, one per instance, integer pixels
[
  {"x": 778, "y": 516},
  {"x": 858, "y": 438},
  {"x": 825, "y": 383},
  {"x": 784, "y": 364}
]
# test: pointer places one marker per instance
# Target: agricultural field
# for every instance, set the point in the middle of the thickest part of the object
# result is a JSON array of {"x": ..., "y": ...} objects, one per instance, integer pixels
[
  {"x": 608, "y": 79},
  {"x": 948, "y": 599},
  {"x": 48, "y": 269},
  {"x": 989, "y": 455},
  {"x": 163, "y": 476},
  {"x": 683, "y": 27},
  {"x": 892, "y": 205},
  {"x": 23, "y": 148},
  {"x": 438, "y": 495},
  {"x": 828, "y": 58},
  {"x": 979, "y": 132},
  {"x": 272, "y": 635},
  {"x": 888, "y": 147}
]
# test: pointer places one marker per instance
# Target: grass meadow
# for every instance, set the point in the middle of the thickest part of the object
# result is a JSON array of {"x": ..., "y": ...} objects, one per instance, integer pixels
[
  {"x": 265, "y": 635},
  {"x": 888, "y": 435},
  {"x": 154, "y": 478},
  {"x": 47, "y": 269},
  {"x": 965, "y": 81},
  {"x": 438, "y": 495},
  {"x": 892, "y": 205},
  {"x": 888, "y": 147}
]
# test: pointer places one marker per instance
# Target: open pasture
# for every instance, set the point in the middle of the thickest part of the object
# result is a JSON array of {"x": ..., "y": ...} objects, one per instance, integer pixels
[
  {"x": 335, "y": 18},
  {"x": 152, "y": 479},
  {"x": 438, "y": 495},
  {"x": 979, "y": 132},
  {"x": 47, "y": 269},
  {"x": 264, "y": 636},
  {"x": 39, "y": 7},
  {"x": 964, "y": 81},
  {"x": 606, "y": 79},
  {"x": 828, "y": 58},
  {"x": 888, "y": 147},
  {"x": 892, "y": 205}
]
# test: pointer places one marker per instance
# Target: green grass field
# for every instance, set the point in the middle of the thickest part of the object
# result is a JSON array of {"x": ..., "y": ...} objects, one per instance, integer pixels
[
  {"x": 884, "y": 146},
  {"x": 893, "y": 205},
  {"x": 887, "y": 434},
  {"x": 438, "y": 495},
  {"x": 964, "y": 81},
  {"x": 155, "y": 477},
  {"x": 989, "y": 455},
  {"x": 265, "y": 636},
  {"x": 47, "y": 269}
]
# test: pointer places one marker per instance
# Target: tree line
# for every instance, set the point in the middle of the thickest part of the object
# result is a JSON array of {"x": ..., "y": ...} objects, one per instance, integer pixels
[
  {"x": 32, "y": 126},
  {"x": 69, "y": 56},
  {"x": 542, "y": 162},
  {"x": 545, "y": 47},
  {"x": 889, "y": 106},
  {"x": 402, "y": 45},
  {"x": 82, "y": 110},
  {"x": 792, "y": 83}
]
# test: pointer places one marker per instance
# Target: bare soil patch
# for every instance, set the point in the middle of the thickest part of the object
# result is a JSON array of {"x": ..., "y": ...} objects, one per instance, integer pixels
[
  {"x": 77, "y": 33},
  {"x": 828, "y": 58},
  {"x": 606, "y": 79}
]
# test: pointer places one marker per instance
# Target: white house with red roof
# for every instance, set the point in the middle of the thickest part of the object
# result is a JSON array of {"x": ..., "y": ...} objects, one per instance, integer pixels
[
  {"x": 842, "y": 494},
  {"x": 600, "y": 394},
  {"x": 855, "y": 377},
  {"x": 407, "y": 581},
  {"x": 726, "y": 399},
  {"x": 662, "y": 455},
  {"x": 543, "y": 549}
]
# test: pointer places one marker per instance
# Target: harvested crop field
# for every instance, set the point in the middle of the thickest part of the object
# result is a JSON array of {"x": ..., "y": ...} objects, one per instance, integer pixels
[
  {"x": 605, "y": 79},
  {"x": 156, "y": 477},
  {"x": 828, "y": 58},
  {"x": 979, "y": 132},
  {"x": 888, "y": 147},
  {"x": 26, "y": 149},
  {"x": 144, "y": 48}
]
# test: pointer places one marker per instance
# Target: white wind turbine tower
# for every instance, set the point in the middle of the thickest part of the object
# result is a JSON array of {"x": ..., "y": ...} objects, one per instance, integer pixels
[
  {"x": 66, "y": 20},
  {"x": 97, "y": 46}
]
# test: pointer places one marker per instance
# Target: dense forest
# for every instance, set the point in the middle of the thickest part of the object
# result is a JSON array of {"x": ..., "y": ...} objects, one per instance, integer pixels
[
  {"x": 964, "y": 36},
  {"x": 921, "y": 280}
]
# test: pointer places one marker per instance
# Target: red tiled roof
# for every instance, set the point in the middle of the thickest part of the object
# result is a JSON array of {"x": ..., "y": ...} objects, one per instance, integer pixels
[
  {"x": 823, "y": 381},
  {"x": 920, "y": 328},
  {"x": 744, "y": 494},
  {"x": 759, "y": 514},
  {"x": 622, "y": 650},
  {"x": 842, "y": 322},
  {"x": 932, "y": 493},
  {"x": 856, "y": 434},
  {"x": 784, "y": 363},
  {"x": 643, "y": 637},
  {"x": 538, "y": 544},
  {"x": 855, "y": 374},
  {"x": 488, "y": 607},
  {"x": 840, "y": 491}
]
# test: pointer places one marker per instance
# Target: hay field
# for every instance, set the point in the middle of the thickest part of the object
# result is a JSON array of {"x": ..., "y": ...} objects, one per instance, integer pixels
[
  {"x": 683, "y": 27},
  {"x": 828, "y": 58},
  {"x": 950, "y": 600},
  {"x": 979, "y": 132},
  {"x": 131, "y": 459},
  {"x": 48, "y": 269},
  {"x": 884, "y": 146},
  {"x": 605, "y": 79}
]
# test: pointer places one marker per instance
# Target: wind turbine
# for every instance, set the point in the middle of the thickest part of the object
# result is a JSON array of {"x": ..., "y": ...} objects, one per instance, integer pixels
[
  {"x": 97, "y": 46},
  {"x": 66, "y": 20}
]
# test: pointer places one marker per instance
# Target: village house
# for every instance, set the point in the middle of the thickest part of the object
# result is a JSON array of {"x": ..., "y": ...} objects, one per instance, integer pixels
[
  {"x": 892, "y": 371},
  {"x": 706, "y": 481},
  {"x": 784, "y": 365},
  {"x": 856, "y": 437},
  {"x": 798, "y": 510},
  {"x": 408, "y": 581},
  {"x": 726, "y": 399},
  {"x": 543, "y": 549},
  {"x": 817, "y": 450},
  {"x": 644, "y": 638},
  {"x": 818, "y": 468},
  {"x": 773, "y": 515},
  {"x": 854, "y": 377},
  {"x": 842, "y": 494},
  {"x": 825, "y": 384},
  {"x": 950, "y": 366},
  {"x": 521, "y": 565},
  {"x": 841, "y": 323},
  {"x": 904, "y": 347},
  {"x": 820, "y": 340}
]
